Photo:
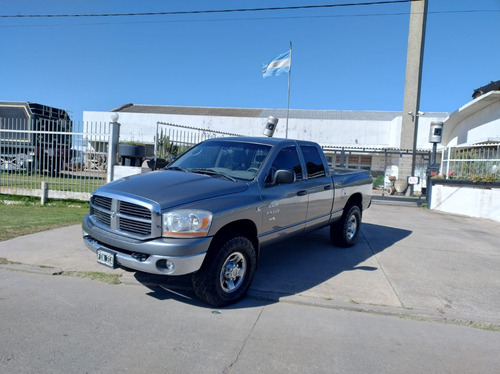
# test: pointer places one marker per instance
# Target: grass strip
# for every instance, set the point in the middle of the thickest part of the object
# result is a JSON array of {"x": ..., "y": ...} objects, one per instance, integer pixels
[
  {"x": 95, "y": 275},
  {"x": 23, "y": 219},
  {"x": 4, "y": 261}
]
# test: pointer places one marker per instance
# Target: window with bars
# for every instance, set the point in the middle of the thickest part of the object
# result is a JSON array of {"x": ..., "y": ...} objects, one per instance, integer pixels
[{"x": 351, "y": 161}]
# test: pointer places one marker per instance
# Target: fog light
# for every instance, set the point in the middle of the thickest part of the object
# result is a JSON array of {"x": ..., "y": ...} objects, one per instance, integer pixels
[
  {"x": 170, "y": 266},
  {"x": 165, "y": 266}
]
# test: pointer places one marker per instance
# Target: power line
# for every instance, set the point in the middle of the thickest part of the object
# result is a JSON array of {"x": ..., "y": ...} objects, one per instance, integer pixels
[
  {"x": 261, "y": 18},
  {"x": 209, "y": 11},
  {"x": 254, "y": 18}
]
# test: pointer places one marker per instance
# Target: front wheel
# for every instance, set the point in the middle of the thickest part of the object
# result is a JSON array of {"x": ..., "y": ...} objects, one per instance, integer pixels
[
  {"x": 345, "y": 232},
  {"x": 227, "y": 272}
]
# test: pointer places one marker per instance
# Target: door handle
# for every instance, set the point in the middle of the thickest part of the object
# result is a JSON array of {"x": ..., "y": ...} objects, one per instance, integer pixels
[
  {"x": 302, "y": 193},
  {"x": 328, "y": 187}
]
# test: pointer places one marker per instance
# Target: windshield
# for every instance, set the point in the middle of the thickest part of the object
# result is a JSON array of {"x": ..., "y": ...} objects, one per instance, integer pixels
[{"x": 231, "y": 159}]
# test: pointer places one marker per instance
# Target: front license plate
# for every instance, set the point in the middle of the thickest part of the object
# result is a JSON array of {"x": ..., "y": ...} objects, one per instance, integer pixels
[{"x": 106, "y": 258}]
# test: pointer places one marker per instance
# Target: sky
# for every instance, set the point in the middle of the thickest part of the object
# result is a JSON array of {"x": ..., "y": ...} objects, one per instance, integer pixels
[{"x": 343, "y": 58}]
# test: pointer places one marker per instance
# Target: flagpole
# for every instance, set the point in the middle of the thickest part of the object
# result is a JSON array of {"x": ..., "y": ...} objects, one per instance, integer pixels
[{"x": 288, "y": 95}]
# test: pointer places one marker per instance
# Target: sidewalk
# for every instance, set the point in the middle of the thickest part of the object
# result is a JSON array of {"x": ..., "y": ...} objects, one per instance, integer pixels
[{"x": 409, "y": 261}]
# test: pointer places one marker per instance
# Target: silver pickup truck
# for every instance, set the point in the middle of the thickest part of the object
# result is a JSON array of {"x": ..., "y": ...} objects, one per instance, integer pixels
[{"x": 211, "y": 211}]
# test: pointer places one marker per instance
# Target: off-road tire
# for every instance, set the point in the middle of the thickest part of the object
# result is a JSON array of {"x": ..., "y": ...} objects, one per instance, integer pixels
[
  {"x": 227, "y": 272},
  {"x": 345, "y": 232}
]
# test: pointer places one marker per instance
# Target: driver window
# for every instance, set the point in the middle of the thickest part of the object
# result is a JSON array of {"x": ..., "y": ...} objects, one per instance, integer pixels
[{"x": 288, "y": 158}]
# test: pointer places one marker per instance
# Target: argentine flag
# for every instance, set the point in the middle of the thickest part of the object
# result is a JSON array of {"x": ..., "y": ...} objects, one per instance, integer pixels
[{"x": 277, "y": 66}]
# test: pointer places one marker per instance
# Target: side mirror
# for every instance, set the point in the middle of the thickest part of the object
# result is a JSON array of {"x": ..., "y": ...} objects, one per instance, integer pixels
[{"x": 284, "y": 176}]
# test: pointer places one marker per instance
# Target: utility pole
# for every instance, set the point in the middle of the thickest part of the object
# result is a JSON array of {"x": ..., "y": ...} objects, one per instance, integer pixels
[{"x": 414, "y": 60}]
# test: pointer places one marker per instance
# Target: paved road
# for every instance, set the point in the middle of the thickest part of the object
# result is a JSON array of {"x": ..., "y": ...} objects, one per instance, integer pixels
[
  {"x": 439, "y": 272},
  {"x": 409, "y": 261},
  {"x": 58, "y": 324}
]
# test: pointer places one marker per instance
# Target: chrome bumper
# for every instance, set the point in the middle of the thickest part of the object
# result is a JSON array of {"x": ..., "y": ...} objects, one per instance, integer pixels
[
  {"x": 154, "y": 264},
  {"x": 161, "y": 256}
]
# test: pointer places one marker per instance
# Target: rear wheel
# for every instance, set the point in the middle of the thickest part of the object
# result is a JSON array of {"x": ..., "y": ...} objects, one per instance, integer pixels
[
  {"x": 227, "y": 272},
  {"x": 345, "y": 232}
]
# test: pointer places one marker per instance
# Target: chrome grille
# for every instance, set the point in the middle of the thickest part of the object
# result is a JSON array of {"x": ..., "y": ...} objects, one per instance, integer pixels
[
  {"x": 101, "y": 217},
  {"x": 100, "y": 209},
  {"x": 102, "y": 202},
  {"x": 124, "y": 217},
  {"x": 130, "y": 225},
  {"x": 134, "y": 210}
]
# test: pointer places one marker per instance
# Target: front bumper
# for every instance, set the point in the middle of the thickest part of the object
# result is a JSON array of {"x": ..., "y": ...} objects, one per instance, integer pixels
[{"x": 159, "y": 256}]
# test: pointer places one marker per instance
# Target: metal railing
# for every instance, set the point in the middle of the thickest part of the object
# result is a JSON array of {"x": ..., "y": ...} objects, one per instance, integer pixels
[
  {"x": 169, "y": 135},
  {"x": 472, "y": 162},
  {"x": 72, "y": 158},
  {"x": 72, "y": 161},
  {"x": 46, "y": 153}
]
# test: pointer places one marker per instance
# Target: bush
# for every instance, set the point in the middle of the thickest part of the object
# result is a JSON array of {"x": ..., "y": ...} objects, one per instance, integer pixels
[{"x": 378, "y": 181}]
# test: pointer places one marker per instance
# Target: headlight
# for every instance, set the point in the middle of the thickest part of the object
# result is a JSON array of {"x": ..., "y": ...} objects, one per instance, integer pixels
[{"x": 186, "y": 223}]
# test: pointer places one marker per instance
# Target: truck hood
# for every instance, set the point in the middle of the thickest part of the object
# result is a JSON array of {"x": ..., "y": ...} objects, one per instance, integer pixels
[{"x": 170, "y": 188}]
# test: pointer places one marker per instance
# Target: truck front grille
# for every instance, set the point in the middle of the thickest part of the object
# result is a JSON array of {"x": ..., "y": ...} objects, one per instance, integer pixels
[
  {"x": 125, "y": 217},
  {"x": 102, "y": 202},
  {"x": 132, "y": 226},
  {"x": 134, "y": 210},
  {"x": 100, "y": 216}
]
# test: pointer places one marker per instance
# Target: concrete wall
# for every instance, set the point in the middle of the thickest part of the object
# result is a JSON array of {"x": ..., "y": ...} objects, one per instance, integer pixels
[
  {"x": 125, "y": 171},
  {"x": 468, "y": 201},
  {"x": 141, "y": 127}
]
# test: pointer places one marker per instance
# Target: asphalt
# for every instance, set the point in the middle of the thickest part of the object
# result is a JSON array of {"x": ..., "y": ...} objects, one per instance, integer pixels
[{"x": 409, "y": 262}]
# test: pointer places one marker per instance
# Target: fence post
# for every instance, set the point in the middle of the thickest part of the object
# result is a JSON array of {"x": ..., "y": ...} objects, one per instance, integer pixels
[
  {"x": 45, "y": 192},
  {"x": 114, "y": 135},
  {"x": 342, "y": 158}
]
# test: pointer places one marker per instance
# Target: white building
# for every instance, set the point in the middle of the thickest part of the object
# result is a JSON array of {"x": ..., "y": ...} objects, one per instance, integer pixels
[
  {"x": 327, "y": 127},
  {"x": 472, "y": 136},
  {"x": 476, "y": 122},
  {"x": 372, "y": 137},
  {"x": 366, "y": 133}
]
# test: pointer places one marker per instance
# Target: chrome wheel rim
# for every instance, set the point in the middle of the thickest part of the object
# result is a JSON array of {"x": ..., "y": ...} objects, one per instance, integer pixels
[
  {"x": 352, "y": 227},
  {"x": 233, "y": 272}
]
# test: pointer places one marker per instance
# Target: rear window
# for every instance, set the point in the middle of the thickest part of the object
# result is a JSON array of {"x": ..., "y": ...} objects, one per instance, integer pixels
[{"x": 314, "y": 162}]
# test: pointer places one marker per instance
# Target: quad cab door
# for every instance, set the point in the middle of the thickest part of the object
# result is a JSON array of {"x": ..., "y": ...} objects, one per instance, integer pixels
[
  {"x": 284, "y": 206},
  {"x": 318, "y": 187}
]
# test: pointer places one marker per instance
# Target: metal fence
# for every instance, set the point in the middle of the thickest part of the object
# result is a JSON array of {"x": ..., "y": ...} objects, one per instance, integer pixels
[
  {"x": 72, "y": 158},
  {"x": 360, "y": 157},
  {"x": 61, "y": 157},
  {"x": 181, "y": 137},
  {"x": 474, "y": 162}
]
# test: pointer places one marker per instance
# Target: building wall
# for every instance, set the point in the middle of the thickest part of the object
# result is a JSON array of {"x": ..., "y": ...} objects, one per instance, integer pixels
[
  {"x": 347, "y": 129},
  {"x": 476, "y": 122},
  {"x": 383, "y": 133},
  {"x": 479, "y": 127}
]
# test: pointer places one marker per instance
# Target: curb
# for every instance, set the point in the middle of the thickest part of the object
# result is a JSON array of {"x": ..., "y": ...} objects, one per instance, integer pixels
[
  {"x": 45, "y": 270},
  {"x": 403, "y": 313},
  {"x": 130, "y": 279}
]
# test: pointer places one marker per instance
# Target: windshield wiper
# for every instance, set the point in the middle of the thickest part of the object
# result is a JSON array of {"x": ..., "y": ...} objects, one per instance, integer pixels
[{"x": 212, "y": 172}]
